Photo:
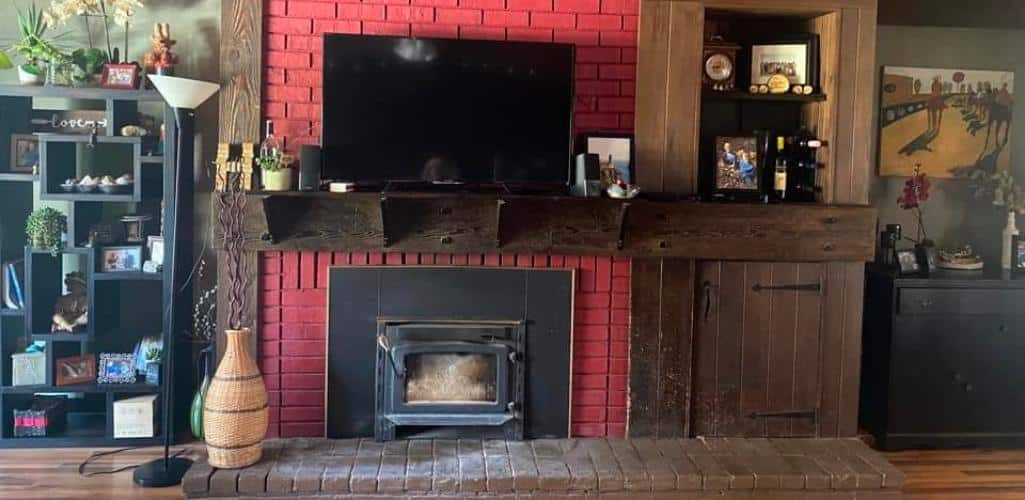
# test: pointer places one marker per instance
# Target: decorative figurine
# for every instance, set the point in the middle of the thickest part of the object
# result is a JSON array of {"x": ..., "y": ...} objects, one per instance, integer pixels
[
  {"x": 160, "y": 60},
  {"x": 72, "y": 309}
]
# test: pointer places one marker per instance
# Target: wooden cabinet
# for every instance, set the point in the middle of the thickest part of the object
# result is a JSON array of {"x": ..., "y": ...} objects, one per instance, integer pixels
[
  {"x": 757, "y": 349},
  {"x": 942, "y": 361}
]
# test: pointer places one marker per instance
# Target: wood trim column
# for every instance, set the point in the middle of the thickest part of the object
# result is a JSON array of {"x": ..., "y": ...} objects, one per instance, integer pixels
[{"x": 240, "y": 112}]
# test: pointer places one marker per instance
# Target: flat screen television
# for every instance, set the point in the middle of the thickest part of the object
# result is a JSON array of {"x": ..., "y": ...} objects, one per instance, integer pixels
[{"x": 474, "y": 111}]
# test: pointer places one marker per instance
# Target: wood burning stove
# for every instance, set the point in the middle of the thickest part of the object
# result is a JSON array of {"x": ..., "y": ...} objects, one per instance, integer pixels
[{"x": 449, "y": 375}]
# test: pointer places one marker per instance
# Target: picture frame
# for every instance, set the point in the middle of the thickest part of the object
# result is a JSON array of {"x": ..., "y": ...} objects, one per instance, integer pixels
[
  {"x": 155, "y": 248},
  {"x": 795, "y": 57},
  {"x": 75, "y": 370},
  {"x": 24, "y": 153},
  {"x": 738, "y": 166},
  {"x": 116, "y": 368},
  {"x": 619, "y": 146},
  {"x": 121, "y": 259},
  {"x": 120, "y": 76},
  {"x": 907, "y": 262},
  {"x": 1017, "y": 256}
]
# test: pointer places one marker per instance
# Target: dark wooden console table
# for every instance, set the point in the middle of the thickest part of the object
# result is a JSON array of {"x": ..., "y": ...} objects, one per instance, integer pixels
[{"x": 943, "y": 360}]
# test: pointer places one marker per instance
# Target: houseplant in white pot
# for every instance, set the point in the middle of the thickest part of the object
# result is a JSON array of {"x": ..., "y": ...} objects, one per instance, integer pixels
[
  {"x": 34, "y": 47},
  {"x": 276, "y": 172}
]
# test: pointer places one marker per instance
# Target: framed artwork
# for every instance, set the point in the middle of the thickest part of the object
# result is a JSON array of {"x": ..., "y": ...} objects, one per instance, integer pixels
[
  {"x": 615, "y": 148},
  {"x": 24, "y": 153},
  {"x": 121, "y": 259},
  {"x": 116, "y": 368},
  {"x": 155, "y": 248},
  {"x": 796, "y": 58},
  {"x": 120, "y": 76},
  {"x": 738, "y": 165},
  {"x": 907, "y": 261},
  {"x": 75, "y": 370},
  {"x": 954, "y": 122}
]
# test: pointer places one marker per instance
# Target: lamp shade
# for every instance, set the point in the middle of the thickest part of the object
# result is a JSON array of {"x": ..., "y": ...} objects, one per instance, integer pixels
[{"x": 183, "y": 93}]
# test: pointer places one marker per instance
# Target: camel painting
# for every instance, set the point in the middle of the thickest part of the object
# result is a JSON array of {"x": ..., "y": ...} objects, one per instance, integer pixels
[{"x": 950, "y": 121}]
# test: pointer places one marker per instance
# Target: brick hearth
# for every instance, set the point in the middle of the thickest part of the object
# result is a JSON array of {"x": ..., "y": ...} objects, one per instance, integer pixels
[
  {"x": 791, "y": 469},
  {"x": 293, "y": 331}
]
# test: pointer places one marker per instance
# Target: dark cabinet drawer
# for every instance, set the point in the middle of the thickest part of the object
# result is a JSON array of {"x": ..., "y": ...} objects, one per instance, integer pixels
[
  {"x": 958, "y": 374},
  {"x": 960, "y": 301}
]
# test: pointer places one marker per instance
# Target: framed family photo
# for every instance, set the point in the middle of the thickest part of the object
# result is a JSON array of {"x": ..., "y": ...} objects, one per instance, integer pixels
[
  {"x": 24, "y": 153},
  {"x": 796, "y": 58},
  {"x": 738, "y": 165},
  {"x": 121, "y": 259},
  {"x": 120, "y": 76}
]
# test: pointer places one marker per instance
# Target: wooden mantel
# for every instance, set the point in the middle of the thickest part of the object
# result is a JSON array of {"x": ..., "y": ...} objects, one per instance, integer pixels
[{"x": 491, "y": 223}]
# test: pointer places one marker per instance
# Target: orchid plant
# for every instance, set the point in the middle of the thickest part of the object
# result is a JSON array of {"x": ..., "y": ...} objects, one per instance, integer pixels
[
  {"x": 119, "y": 12},
  {"x": 915, "y": 194}
]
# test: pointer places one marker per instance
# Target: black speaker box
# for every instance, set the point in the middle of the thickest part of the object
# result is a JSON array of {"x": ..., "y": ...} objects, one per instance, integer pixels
[{"x": 309, "y": 168}]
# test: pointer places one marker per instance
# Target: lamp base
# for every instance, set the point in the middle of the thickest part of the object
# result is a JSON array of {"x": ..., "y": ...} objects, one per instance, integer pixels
[{"x": 160, "y": 473}]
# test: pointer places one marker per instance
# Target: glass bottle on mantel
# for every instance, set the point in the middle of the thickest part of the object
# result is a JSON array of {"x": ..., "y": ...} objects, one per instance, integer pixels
[{"x": 270, "y": 147}]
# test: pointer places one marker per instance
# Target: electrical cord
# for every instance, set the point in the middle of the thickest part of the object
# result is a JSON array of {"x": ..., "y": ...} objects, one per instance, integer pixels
[{"x": 100, "y": 454}]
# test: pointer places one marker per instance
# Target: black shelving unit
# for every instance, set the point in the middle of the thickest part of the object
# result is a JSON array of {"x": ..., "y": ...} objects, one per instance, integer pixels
[{"x": 123, "y": 306}]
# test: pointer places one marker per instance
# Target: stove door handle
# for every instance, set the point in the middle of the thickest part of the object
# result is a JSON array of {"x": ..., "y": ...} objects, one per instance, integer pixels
[{"x": 385, "y": 345}]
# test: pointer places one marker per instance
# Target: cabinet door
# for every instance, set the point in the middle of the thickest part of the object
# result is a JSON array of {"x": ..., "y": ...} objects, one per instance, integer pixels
[
  {"x": 756, "y": 358},
  {"x": 957, "y": 374}
]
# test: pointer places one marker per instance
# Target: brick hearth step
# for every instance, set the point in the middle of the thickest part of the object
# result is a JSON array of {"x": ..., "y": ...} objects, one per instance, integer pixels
[{"x": 633, "y": 469}]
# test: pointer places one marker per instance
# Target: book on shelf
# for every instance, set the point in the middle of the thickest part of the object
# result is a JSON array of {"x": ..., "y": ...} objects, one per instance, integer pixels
[{"x": 13, "y": 272}]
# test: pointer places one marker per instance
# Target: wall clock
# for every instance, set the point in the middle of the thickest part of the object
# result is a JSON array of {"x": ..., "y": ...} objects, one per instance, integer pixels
[{"x": 719, "y": 63}]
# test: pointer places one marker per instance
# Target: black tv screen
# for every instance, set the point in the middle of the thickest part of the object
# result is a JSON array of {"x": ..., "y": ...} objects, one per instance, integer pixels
[{"x": 446, "y": 110}]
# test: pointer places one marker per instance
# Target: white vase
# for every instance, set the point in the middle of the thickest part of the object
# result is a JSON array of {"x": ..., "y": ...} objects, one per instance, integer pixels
[
  {"x": 1010, "y": 230},
  {"x": 26, "y": 78},
  {"x": 277, "y": 180}
]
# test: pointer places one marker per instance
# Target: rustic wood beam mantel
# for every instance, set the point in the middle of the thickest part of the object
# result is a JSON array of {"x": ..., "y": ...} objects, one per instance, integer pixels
[{"x": 480, "y": 223}]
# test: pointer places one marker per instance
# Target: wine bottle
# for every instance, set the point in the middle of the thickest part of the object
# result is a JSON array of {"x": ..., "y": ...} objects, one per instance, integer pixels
[
  {"x": 779, "y": 184},
  {"x": 270, "y": 147}
]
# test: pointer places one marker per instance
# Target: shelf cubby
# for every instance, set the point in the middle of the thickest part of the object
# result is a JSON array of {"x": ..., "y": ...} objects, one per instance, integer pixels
[{"x": 73, "y": 156}]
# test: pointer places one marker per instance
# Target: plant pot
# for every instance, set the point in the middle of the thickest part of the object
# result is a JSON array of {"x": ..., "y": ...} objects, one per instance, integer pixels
[
  {"x": 277, "y": 180},
  {"x": 26, "y": 78},
  {"x": 235, "y": 407}
]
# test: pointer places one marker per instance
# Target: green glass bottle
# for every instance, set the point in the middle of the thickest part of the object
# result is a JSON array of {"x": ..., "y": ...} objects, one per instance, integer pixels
[{"x": 196, "y": 410}]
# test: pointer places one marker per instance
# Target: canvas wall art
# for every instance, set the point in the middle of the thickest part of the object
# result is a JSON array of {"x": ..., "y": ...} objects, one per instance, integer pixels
[{"x": 948, "y": 120}]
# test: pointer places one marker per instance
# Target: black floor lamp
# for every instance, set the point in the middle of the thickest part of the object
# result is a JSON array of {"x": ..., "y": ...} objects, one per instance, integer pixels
[{"x": 184, "y": 95}]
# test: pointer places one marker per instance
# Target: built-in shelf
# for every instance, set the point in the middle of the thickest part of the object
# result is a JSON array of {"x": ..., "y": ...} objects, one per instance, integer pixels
[
  {"x": 12, "y": 312},
  {"x": 151, "y": 159},
  {"x": 123, "y": 198},
  {"x": 17, "y": 177},
  {"x": 738, "y": 95},
  {"x": 79, "y": 93},
  {"x": 139, "y": 388},
  {"x": 128, "y": 276},
  {"x": 62, "y": 337}
]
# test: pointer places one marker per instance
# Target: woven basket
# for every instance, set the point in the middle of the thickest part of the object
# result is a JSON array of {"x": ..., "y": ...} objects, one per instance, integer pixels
[{"x": 235, "y": 409}]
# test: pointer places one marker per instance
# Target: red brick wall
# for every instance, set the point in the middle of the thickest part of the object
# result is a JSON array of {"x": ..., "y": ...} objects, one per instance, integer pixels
[
  {"x": 293, "y": 331},
  {"x": 604, "y": 31}
]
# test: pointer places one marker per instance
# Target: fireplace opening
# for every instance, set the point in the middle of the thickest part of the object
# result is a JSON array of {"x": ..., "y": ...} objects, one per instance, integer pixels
[
  {"x": 448, "y": 352},
  {"x": 447, "y": 374}
]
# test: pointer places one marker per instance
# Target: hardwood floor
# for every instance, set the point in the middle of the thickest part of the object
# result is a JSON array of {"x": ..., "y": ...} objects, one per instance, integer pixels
[{"x": 932, "y": 475}]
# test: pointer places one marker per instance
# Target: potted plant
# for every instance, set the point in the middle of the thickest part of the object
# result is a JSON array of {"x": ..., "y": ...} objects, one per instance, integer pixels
[
  {"x": 154, "y": 357},
  {"x": 88, "y": 65},
  {"x": 276, "y": 171},
  {"x": 34, "y": 47},
  {"x": 45, "y": 228},
  {"x": 119, "y": 12},
  {"x": 914, "y": 196}
]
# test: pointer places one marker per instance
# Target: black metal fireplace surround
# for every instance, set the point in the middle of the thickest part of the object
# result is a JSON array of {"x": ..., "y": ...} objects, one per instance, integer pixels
[{"x": 449, "y": 352}]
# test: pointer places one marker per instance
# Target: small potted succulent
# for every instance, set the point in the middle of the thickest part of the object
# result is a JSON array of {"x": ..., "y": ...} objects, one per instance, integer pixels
[
  {"x": 34, "y": 47},
  {"x": 45, "y": 228},
  {"x": 154, "y": 357},
  {"x": 276, "y": 172}
]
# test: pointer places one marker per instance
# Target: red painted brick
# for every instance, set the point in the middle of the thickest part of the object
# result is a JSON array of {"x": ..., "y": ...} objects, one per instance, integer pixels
[
  {"x": 576, "y": 37},
  {"x": 621, "y": 285},
  {"x": 616, "y": 415},
  {"x": 302, "y": 348},
  {"x": 589, "y": 397},
  {"x": 270, "y": 315},
  {"x": 618, "y": 38},
  {"x": 273, "y": 110},
  {"x": 590, "y": 366},
  {"x": 459, "y": 260},
  {"x": 529, "y": 34},
  {"x": 506, "y": 18},
  {"x": 276, "y": 42},
  {"x": 324, "y": 260},
  {"x": 287, "y": 26},
  {"x": 531, "y": 5},
  {"x": 590, "y": 381},
  {"x": 616, "y": 104},
  {"x": 618, "y": 383},
  {"x": 436, "y": 3},
  {"x": 302, "y": 398},
  {"x": 435, "y": 30},
  {"x": 277, "y": 8},
  {"x": 274, "y": 398},
  {"x": 375, "y": 258},
  {"x": 619, "y": 333},
  {"x": 292, "y": 381},
  {"x": 595, "y": 414},
  {"x": 303, "y": 43},
  {"x": 552, "y": 20},
  {"x": 630, "y": 23},
  {"x": 323, "y": 10},
  {"x": 588, "y": 430},
  {"x": 272, "y": 382},
  {"x": 590, "y": 350},
  {"x": 273, "y": 431},
  {"x": 577, "y": 6},
  {"x": 361, "y": 11},
  {"x": 593, "y": 300},
  {"x": 302, "y": 429},
  {"x": 617, "y": 71},
  {"x": 271, "y": 298},
  {"x": 270, "y": 366},
  {"x": 605, "y": 22},
  {"x": 617, "y": 398},
  {"x": 591, "y": 333},
  {"x": 407, "y": 13},
  {"x": 281, "y": 93},
  {"x": 620, "y": 316},
  {"x": 482, "y": 4},
  {"x": 619, "y": 349},
  {"x": 598, "y": 55},
  {"x": 616, "y": 430},
  {"x": 269, "y": 348},
  {"x": 303, "y": 364},
  {"x": 337, "y": 26},
  {"x": 270, "y": 331},
  {"x": 620, "y": 6},
  {"x": 620, "y": 269},
  {"x": 280, "y": 59},
  {"x": 458, "y": 16},
  {"x": 305, "y": 297},
  {"x": 302, "y": 414}
]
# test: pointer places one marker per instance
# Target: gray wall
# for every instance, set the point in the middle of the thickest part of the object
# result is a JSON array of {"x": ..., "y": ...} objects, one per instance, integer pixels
[{"x": 953, "y": 216}]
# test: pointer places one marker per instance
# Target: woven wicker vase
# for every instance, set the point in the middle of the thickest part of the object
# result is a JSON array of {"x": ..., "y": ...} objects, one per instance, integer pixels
[{"x": 235, "y": 409}]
